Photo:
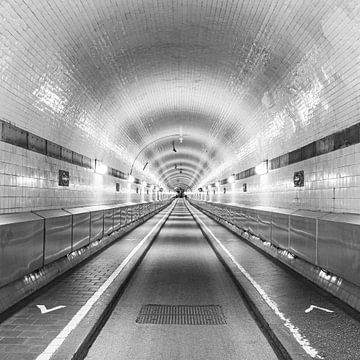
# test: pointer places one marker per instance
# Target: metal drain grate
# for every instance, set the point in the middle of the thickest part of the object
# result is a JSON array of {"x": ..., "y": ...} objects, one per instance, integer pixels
[{"x": 181, "y": 314}]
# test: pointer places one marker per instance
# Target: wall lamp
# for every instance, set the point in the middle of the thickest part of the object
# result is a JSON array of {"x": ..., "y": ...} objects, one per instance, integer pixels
[
  {"x": 262, "y": 168},
  {"x": 217, "y": 184},
  {"x": 173, "y": 143},
  {"x": 130, "y": 179},
  {"x": 100, "y": 168},
  {"x": 231, "y": 179}
]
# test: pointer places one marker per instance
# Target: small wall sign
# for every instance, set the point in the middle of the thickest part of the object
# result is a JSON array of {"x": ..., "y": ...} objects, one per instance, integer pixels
[
  {"x": 299, "y": 178},
  {"x": 64, "y": 178},
  {"x": 244, "y": 187},
  {"x": 117, "y": 186}
]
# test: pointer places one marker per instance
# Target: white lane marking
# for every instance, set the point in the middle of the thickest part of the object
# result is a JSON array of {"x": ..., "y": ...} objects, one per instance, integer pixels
[
  {"x": 74, "y": 322},
  {"x": 318, "y": 307},
  {"x": 44, "y": 310},
  {"x": 304, "y": 343}
]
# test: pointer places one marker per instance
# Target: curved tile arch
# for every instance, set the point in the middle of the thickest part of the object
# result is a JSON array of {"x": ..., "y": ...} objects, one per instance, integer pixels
[
  {"x": 258, "y": 76},
  {"x": 188, "y": 167},
  {"x": 190, "y": 180},
  {"x": 177, "y": 177},
  {"x": 161, "y": 156},
  {"x": 180, "y": 185},
  {"x": 193, "y": 176},
  {"x": 169, "y": 161},
  {"x": 191, "y": 161},
  {"x": 157, "y": 150}
]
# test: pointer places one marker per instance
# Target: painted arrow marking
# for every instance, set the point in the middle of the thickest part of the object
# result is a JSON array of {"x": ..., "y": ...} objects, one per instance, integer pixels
[
  {"x": 44, "y": 310},
  {"x": 312, "y": 307}
]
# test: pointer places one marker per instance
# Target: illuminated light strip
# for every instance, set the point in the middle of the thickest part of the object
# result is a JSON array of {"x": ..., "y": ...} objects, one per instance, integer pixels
[
  {"x": 304, "y": 343},
  {"x": 74, "y": 322}
]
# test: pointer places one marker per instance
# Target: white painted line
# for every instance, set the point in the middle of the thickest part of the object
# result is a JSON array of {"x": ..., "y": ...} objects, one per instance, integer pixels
[
  {"x": 318, "y": 307},
  {"x": 44, "y": 310},
  {"x": 74, "y": 322},
  {"x": 304, "y": 343}
]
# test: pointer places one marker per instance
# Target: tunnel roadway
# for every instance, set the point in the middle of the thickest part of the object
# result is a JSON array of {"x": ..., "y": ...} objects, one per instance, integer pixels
[{"x": 180, "y": 268}]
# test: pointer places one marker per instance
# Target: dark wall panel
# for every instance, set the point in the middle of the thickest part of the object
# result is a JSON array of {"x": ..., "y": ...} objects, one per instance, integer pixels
[
  {"x": 14, "y": 135},
  {"x": 37, "y": 143},
  {"x": 66, "y": 155},
  {"x": 53, "y": 150}
]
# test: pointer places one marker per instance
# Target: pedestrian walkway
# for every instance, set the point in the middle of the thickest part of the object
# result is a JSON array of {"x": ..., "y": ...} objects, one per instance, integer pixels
[
  {"x": 320, "y": 325},
  {"x": 25, "y": 333}
]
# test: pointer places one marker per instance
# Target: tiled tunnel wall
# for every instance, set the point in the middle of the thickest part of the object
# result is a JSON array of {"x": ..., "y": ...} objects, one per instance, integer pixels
[
  {"x": 29, "y": 181},
  {"x": 295, "y": 82},
  {"x": 331, "y": 183}
]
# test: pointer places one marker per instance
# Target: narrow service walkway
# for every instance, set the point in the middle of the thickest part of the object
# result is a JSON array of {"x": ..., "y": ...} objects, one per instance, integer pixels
[
  {"x": 320, "y": 326},
  {"x": 34, "y": 329},
  {"x": 180, "y": 269}
]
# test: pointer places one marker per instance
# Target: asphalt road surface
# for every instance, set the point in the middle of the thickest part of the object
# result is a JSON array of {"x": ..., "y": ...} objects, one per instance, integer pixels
[{"x": 181, "y": 273}]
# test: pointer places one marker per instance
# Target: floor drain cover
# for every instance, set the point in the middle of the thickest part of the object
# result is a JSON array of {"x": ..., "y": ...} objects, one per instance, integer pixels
[{"x": 181, "y": 314}]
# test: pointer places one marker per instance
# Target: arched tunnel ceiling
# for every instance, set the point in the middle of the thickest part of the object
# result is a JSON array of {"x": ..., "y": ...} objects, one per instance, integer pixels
[{"x": 239, "y": 81}]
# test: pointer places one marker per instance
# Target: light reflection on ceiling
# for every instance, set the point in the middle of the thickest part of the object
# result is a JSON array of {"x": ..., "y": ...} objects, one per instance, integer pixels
[{"x": 237, "y": 81}]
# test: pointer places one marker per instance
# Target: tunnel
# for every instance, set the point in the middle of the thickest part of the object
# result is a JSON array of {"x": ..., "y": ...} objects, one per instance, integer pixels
[{"x": 189, "y": 169}]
